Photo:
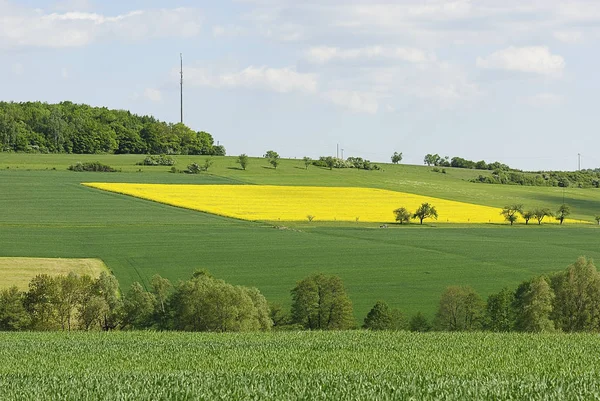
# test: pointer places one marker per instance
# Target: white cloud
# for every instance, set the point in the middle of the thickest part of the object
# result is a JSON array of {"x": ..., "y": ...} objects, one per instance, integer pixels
[
  {"x": 359, "y": 102},
  {"x": 282, "y": 80},
  {"x": 25, "y": 27},
  {"x": 569, "y": 36},
  {"x": 227, "y": 31},
  {"x": 544, "y": 100},
  {"x": 324, "y": 54},
  {"x": 536, "y": 60},
  {"x": 64, "y": 73},
  {"x": 153, "y": 95}
]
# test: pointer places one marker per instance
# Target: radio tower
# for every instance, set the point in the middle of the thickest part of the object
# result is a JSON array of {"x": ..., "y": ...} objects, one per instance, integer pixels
[{"x": 181, "y": 86}]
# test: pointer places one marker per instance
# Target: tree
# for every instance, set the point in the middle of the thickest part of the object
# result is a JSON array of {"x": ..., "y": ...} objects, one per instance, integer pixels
[
  {"x": 402, "y": 215},
  {"x": 396, "y": 157},
  {"x": 425, "y": 211},
  {"x": 576, "y": 304},
  {"x": 66, "y": 298},
  {"x": 460, "y": 309},
  {"x": 243, "y": 161},
  {"x": 138, "y": 307},
  {"x": 499, "y": 312},
  {"x": 204, "y": 303},
  {"x": 527, "y": 215},
  {"x": 271, "y": 154},
  {"x": 540, "y": 213},
  {"x": 107, "y": 288},
  {"x": 510, "y": 212},
  {"x": 382, "y": 317},
  {"x": 330, "y": 162},
  {"x": 320, "y": 302},
  {"x": 419, "y": 323},
  {"x": 207, "y": 164},
  {"x": 38, "y": 303},
  {"x": 274, "y": 162},
  {"x": 563, "y": 211},
  {"x": 307, "y": 161},
  {"x": 534, "y": 300},
  {"x": 434, "y": 160},
  {"x": 13, "y": 316}
]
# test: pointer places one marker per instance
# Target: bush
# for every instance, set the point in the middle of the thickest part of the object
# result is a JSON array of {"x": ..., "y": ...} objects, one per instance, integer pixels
[
  {"x": 92, "y": 166},
  {"x": 157, "y": 160}
]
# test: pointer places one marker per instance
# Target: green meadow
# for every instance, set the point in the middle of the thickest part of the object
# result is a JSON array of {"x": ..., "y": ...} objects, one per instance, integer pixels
[{"x": 46, "y": 213}]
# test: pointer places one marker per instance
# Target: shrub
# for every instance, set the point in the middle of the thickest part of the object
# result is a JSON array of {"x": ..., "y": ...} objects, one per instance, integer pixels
[
  {"x": 157, "y": 160},
  {"x": 91, "y": 166}
]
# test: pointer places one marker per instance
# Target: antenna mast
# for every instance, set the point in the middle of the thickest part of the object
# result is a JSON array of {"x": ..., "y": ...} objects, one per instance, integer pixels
[{"x": 181, "y": 86}]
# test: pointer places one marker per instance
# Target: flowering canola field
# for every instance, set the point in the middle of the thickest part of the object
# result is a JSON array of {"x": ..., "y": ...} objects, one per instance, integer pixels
[{"x": 296, "y": 203}]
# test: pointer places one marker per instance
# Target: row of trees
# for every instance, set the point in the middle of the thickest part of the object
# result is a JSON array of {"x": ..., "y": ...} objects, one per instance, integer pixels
[
  {"x": 73, "y": 128},
  {"x": 563, "y": 179},
  {"x": 567, "y": 301},
  {"x": 511, "y": 213},
  {"x": 458, "y": 162}
]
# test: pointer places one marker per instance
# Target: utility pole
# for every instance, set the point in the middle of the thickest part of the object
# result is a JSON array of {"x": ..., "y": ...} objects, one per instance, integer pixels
[
  {"x": 337, "y": 151},
  {"x": 342, "y": 154},
  {"x": 181, "y": 86},
  {"x": 578, "y": 161}
]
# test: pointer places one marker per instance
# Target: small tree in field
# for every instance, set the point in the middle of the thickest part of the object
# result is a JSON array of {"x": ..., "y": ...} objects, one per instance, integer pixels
[
  {"x": 425, "y": 211},
  {"x": 274, "y": 162},
  {"x": 510, "y": 212},
  {"x": 396, "y": 157},
  {"x": 540, "y": 213},
  {"x": 243, "y": 160},
  {"x": 402, "y": 215},
  {"x": 527, "y": 215},
  {"x": 207, "y": 164},
  {"x": 563, "y": 211},
  {"x": 307, "y": 161}
]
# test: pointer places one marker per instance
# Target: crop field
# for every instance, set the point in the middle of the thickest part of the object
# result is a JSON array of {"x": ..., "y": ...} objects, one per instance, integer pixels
[
  {"x": 19, "y": 271},
  {"x": 46, "y": 213},
  {"x": 295, "y": 203},
  {"x": 304, "y": 365}
]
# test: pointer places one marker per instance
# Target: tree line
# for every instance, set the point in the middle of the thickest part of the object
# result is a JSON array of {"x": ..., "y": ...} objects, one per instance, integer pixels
[
  {"x": 566, "y": 301},
  {"x": 78, "y": 128}
]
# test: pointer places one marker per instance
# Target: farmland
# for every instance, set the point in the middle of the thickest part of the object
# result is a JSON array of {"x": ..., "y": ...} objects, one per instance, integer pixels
[
  {"x": 46, "y": 213},
  {"x": 19, "y": 271},
  {"x": 304, "y": 365}
]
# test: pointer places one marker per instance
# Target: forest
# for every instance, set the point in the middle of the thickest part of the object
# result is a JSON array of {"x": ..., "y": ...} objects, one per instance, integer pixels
[{"x": 37, "y": 127}]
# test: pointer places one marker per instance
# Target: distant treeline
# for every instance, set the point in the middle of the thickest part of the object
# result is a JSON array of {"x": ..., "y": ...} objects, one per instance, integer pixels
[
  {"x": 567, "y": 301},
  {"x": 503, "y": 174},
  {"x": 76, "y": 128}
]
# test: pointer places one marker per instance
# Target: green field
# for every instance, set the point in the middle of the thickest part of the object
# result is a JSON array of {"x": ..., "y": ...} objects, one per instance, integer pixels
[
  {"x": 47, "y": 213},
  {"x": 303, "y": 365}
]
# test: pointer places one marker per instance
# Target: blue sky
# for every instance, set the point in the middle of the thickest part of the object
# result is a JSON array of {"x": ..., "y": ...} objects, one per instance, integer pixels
[{"x": 499, "y": 80}]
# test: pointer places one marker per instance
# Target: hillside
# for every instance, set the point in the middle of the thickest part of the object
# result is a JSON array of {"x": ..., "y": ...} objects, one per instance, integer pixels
[
  {"x": 46, "y": 212},
  {"x": 36, "y": 127}
]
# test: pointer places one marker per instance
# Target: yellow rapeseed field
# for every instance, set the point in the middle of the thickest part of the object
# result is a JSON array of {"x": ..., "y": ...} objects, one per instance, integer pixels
[{"x": 295, "y": 203}]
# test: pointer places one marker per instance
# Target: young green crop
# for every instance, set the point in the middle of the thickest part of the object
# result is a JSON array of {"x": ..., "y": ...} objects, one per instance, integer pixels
[{"x": 303, "y": 365}]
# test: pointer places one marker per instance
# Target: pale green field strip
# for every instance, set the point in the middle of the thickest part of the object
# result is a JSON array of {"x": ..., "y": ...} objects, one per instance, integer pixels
[{"x": 19, "y": 271}]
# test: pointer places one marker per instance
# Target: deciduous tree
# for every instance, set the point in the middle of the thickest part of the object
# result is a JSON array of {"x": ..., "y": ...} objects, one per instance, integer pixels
[
  {"x": 402, "y": 215},
  {"x": 510, "y": 212},
  {"x": 425, "y": 211},
  {"x": 563, "y": 212},
  {"x": 320, "y": 302},
  {"x": 396, "y": 157},
  {"x": 243, "y": 161}
]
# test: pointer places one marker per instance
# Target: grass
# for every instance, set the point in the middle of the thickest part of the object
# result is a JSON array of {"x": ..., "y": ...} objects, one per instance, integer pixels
[
  {"x": 420, "y": 180},
  {"x": 48, "y": 214},
  {"x": 19, "y": 271},
  {"x": 304, "y": 365}
]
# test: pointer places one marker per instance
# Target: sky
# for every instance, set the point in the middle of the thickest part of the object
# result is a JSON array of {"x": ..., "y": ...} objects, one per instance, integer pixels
[{"x": 507, "y": 80}]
